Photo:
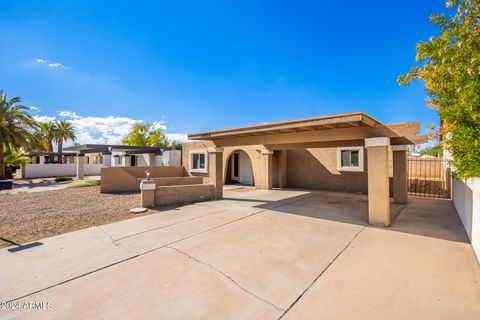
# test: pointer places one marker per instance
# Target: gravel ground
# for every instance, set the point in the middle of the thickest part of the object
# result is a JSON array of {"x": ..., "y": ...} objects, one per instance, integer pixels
[{"x": 29, "y": 216}]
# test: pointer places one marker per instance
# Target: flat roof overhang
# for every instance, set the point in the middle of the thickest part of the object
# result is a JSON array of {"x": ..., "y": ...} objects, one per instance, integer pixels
[
  {"x": 338, "y": 129},
  {"x": 107, "y": 148}
]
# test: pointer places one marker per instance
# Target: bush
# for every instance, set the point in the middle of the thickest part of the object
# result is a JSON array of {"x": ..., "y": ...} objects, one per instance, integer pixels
[
  {"x": 61, "y": 179},
  {"x": 449, "y": 65}
]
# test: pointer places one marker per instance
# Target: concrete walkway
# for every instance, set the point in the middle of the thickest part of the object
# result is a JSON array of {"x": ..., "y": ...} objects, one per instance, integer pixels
[{"x": 254, "y": 255}]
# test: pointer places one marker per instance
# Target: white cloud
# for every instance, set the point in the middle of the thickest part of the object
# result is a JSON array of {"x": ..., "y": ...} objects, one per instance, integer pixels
[
  {"x": 44, "y": 118},
  {"x": 101, "y": 129},
  {"x": 104, "y": 130},
  {"x": 33, "y": 108},
  {"x": 53, "y": 65},
  {"x": 57, "y": 65},
  {"x": 68, "y": 114},
  {"x": 180, "y": 137},
  {"x": 159, "y": 125}
]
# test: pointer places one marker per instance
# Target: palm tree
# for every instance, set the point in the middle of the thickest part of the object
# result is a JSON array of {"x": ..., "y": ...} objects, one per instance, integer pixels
[
  {"x": 64, "y": 131},
  {"x": 46, "y": 131},
  {"x": 16, "y": 127}
]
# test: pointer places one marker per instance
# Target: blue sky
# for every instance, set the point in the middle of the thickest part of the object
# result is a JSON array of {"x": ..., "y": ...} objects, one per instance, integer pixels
[{"x": 198, "y": 65}]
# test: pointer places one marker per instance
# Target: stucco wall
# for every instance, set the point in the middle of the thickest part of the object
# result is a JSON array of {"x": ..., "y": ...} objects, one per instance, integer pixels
[
  {"x": 58, "y": 170},
  {"x": 314, "y": 168},
  {"x": 127, "y": 179},
  {"x": 253, "y": 152},
  {"x": 466, "y": 198},
  {"x": 182, "y": 194},
  {"x": 317, "y": 169}
]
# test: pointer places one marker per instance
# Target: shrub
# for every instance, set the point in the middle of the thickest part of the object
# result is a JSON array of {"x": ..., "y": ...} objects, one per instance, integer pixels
[{"x": 61, "y": 179}]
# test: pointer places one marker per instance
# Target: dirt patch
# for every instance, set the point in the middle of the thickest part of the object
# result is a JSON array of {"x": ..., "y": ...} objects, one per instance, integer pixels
[{"x": 29, "y": 216}]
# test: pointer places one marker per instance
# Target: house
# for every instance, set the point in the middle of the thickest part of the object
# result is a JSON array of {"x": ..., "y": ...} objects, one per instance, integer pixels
[
  {"x": 349, "y": 152},
  {"x": 88, "y": 159}
]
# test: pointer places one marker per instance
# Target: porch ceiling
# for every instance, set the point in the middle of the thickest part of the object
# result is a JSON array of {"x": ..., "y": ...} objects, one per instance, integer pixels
[{"x": 332, "y": 130}]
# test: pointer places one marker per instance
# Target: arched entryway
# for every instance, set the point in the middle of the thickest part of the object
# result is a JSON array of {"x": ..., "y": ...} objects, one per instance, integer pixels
[{"x": 239, "y": 169}]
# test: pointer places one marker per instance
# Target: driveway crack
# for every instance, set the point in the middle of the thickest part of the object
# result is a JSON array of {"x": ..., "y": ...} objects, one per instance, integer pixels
[
  {"x": 322, "y": 272},
  {"x": 114, "y": 242},
  {"x": 226, "y": 276}
]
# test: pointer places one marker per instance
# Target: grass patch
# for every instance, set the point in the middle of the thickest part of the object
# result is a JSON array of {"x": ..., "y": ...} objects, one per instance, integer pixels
[
  {"x": 83, "y": 184},
  {"x": 62, "y": 179}
]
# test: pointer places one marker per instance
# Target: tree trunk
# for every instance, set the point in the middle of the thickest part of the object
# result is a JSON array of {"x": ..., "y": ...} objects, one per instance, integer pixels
[
  {"x": 50, "y": 151},
  {"x": 60, "y": 151},
  {"x": 2, "y": 162}
]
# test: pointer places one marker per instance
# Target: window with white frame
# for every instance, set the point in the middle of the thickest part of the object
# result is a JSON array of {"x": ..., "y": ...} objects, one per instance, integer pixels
[
  {"x": 350, "y": 159},
  {"x": 198, "y": 161}
]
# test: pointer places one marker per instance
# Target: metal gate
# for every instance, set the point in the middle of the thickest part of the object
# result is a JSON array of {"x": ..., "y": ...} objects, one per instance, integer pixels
[{"x": 429, "y": 178}]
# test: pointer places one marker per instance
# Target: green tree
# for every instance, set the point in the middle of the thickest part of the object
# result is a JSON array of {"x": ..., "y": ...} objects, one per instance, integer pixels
[
  {"x": 14, "y": 160},
  {"x": 16, "y": 128},
  {"x": 176, "y": 145},
  {"x": 434, "y": 151},
  {"x": 64, "y": 131},
  {"x": 449, "y": 65},
  {"x": 143, "y": 134},
  {"x": 46, "y": 135}
]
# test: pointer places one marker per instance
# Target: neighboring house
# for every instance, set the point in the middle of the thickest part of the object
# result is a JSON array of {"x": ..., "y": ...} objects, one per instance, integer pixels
[
  {"x": 88, "y": 159},
  {"x": 349, "y": 152}
]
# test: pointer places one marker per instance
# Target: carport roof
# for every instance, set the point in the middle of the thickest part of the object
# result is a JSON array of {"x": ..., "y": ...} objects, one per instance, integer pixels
[
  {"x": 333, "y": 129},
  {"x": 344, "y": 120}
]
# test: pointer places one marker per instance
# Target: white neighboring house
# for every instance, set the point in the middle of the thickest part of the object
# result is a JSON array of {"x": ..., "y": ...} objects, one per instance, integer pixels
[{"x": 88, "y": 159}]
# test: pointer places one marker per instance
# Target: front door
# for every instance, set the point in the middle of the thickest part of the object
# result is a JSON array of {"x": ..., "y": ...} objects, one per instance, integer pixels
[{"x": 236, "y": 166}]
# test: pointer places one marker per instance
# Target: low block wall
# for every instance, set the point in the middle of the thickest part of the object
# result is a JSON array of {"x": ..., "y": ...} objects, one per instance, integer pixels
[
  {"x": 175, "y": 181},
  {"x": 127, "y": 179},
  {"x": 170, "y": 195},
  {"x": 47, "y": 170},
  {"x": 466, "y": 198}
]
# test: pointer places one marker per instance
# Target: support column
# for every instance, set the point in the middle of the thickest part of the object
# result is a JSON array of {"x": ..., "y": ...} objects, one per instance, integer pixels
[
  {"x": 150, "y": 160},
  {"x": 107, "y": 159},
  {"x": 282, "y": 168},
  {"x": 158, "y": 160},
  {"x": 126, "y": 161},
  {"x": 215, "y": 168},
  {"x": 264, "y": 181},
  {"x": 42, "y": 160},
  {"x": 378, "y": 181},
  {"x": 80, "y": 166},
  {"x": 400, "y": 174}
]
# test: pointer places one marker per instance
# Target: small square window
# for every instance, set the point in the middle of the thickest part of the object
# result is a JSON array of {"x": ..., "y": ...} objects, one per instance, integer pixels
[
  {"x": 198, "y": 161},
  {"x": 350, "y": 159}
]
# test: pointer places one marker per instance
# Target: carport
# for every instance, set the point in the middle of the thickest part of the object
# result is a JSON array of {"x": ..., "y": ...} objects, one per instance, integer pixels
[
  {"x": 106, "y": 151},
  {"x": 343, "y": 130}
]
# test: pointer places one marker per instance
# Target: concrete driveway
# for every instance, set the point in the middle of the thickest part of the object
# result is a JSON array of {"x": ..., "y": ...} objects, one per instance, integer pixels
[{"x": 254, "y": 255}]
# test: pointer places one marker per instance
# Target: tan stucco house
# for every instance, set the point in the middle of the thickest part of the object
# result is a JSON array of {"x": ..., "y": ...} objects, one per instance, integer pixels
[{"x": 349, "y": 152}]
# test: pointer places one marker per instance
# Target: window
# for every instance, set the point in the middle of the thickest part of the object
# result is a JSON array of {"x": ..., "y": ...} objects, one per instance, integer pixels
[
  {"x": 350, "y": 159},
  {"x": 198, "y": 161}
]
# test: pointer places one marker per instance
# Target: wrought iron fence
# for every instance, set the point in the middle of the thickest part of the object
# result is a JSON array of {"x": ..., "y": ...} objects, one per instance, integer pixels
[{"x": 429, "y": 178}]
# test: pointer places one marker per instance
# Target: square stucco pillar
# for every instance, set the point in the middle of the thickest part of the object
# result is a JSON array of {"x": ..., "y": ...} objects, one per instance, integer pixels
[
  {"x": 147, "y": 188},
  {"x": 378, "y": 181},
  {"x": 282, "y": 169},
  {"x": 400, "y": 174},
  {"x": 215, "y": 167},
  {"x": 80, "y": 166},
  {"x": 265, "y": 178}
]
